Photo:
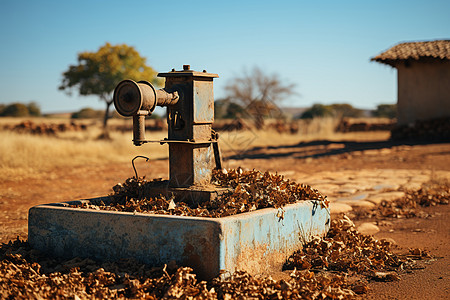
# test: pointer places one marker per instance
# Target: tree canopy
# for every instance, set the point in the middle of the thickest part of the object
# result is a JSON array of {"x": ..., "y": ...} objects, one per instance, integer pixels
[
  {"x": 338, "y": 110},
  {"x": 20, "y": 110},
  {"x": 317, "y": 110},
  {"x": 259, "y": 93},
  {"x": 225, "y": 109},
  {"x": 98, "y": 73},
  {"x": 386, "y": 111}
]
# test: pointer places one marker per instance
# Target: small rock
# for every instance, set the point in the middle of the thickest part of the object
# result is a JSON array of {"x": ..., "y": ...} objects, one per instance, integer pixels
[
  {"x": 387, "y": 196},
  {"x": 414, "y": 186},
  {"x": 359, "y": 196},
  {"x": 347, "y": 191},
  {"x": 386, "y": 276},
  {"x": 385, "y": 186},
  {"x": 287, "y": 173},
  {"x": 371, "y": 152},
  {"x": 391, "y": 241},
  {"x": 385, "y": 151},
  {"x": 368, "y": 228},
  {"x": 337, "y": 208},
  {"x": 357, "y": 203},
  {"x": 385, "y": 223},
  {"x": 326, "y": 188}
]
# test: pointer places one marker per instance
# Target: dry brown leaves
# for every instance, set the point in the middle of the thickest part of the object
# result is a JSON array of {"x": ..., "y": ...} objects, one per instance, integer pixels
[
  {"x": 25, "y": 274},
  {"x": 301, "y": 285},
  {"x": 346, "y": 251},
  {"x": 335, "y": 267},
  {"x": 435, "y": 192},
  {"x": 23, "y": 277},
  {"x": 248, "y": 191}
]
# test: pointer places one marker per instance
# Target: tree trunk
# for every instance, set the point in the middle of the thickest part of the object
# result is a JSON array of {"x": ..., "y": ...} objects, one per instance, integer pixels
[
  {"x": 106, "y": 116},
  {"x": 105, "y": 134}
]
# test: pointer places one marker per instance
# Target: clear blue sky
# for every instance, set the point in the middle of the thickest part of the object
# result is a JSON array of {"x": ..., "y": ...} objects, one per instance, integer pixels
[{"x": 324, "y": 47}]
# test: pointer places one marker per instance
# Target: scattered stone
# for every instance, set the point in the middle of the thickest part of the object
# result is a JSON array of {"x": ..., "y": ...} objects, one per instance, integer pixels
[
  {"x": 385, "y": 151},
  {"x": 371, "y": 152},
  {"x": 391, "y": 241},
  {"x": 413, "y": 186},
  {"x": 386, "y": 276},
  {"x": 347, "y": 191},
  {"x": 368, "y": 228},
  {"x": 387, "y": 196},
  {"x": 357, "y": 203},
  {"x": 326, "y": 189},
  {"x": 420, "y": 178},
  {"x": 337, "y": 208},
  {"x": 385, "y": 186},
  {"x": 385, "y": 223},
  {"x": 335, "y": 146},
  {"x": 359, "y": 196},
  {"x": 287, "y": 173}
]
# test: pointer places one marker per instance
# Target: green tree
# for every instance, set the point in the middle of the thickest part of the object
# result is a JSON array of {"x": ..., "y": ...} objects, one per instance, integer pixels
[
  {"x": 225, "y": 109},
  {"x": 98, "y": 73},
  {"x": 345, "y": 110},
  {"x": 34, "y": 109},
  {"x": 386, "y": 111},
  {"x": 15, "y": 110},
  {"x": 317, "y": 110},
  {"x": 87, "y": 113}
]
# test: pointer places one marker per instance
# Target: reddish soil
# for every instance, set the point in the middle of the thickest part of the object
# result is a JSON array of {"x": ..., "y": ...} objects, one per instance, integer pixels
[{"x": 432, "y": 282}]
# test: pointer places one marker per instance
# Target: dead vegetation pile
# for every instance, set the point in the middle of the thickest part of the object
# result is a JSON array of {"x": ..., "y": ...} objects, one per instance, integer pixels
[
  {"x": 335, "y": 267},
  {"x": 365, "y": 124},
  {"x": 435, "y": 192},
  {"x": 31, "y": 127},
  {"x": 426, "y": 130},
  {"x": 247, "y": 191},
  {"x": 344, "y": 250},
  {"x": 239, "y": 124}
]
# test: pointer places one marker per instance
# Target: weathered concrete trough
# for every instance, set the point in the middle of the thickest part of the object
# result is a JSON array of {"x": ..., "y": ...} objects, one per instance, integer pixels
[{"x": 257, "y": 242}]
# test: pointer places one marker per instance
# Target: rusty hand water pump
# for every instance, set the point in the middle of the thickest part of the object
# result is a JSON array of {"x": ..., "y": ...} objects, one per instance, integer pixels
[{"x": 189, "y": 98}]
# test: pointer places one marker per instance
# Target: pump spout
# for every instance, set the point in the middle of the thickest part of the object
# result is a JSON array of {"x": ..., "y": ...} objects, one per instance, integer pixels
[
  {"x": 130, "y": 97},
  {"x": 139, "y": 99}
]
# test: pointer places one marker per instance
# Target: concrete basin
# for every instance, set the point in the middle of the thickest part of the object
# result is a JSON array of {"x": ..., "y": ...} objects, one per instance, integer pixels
[{"x": 257, "y": 242}]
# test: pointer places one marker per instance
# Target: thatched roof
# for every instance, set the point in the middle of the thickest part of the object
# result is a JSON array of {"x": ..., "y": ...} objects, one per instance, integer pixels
[{"x": 419, "y": 51}]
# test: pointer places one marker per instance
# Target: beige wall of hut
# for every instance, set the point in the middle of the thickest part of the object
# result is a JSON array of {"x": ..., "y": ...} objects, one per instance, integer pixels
[{"x": 423, "y": 91}]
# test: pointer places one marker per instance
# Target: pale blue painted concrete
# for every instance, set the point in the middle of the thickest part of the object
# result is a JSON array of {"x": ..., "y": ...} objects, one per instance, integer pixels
[{"x": 258, "y": 241}]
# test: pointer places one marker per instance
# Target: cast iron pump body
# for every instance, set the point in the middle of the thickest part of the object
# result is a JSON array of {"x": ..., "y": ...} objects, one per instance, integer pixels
[{"x": 189, "y": 98}]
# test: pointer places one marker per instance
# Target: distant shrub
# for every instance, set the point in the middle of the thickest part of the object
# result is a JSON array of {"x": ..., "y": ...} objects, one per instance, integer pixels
[
  {"x": 34, "y": 109},
  {"x": 20, "y": 110},
  {"x": 317, "y": 110},
  {"x": 226, "y": 109},
  {"x": 338, "y": 110},
  {"x": 386, "y": 111},
  {"x": 88, "y": 113},
  {"x": 15, "y": 110},
  {"x": 345, "y": 110}
]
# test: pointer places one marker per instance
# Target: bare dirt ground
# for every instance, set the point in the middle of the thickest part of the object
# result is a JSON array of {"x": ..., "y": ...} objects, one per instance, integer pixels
[{"x": 298, "y": 161}]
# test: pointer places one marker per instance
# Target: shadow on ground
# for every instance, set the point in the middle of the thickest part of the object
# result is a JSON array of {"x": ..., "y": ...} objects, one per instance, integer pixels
[{"x": 323, "y": 148}]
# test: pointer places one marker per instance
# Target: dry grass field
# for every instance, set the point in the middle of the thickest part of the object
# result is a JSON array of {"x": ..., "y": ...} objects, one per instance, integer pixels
[{"x": 33, "y": 156}]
